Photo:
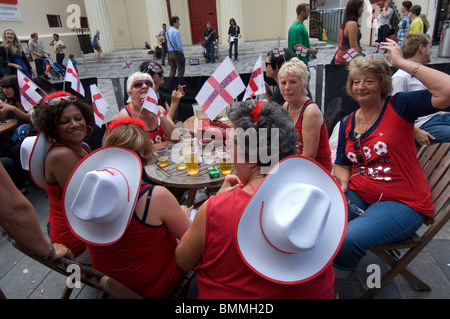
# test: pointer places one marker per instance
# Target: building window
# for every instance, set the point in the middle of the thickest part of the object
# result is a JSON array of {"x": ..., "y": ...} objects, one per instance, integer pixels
[
  {"x": 54, "y": 21},
  {"x": 84, "y": 23}
]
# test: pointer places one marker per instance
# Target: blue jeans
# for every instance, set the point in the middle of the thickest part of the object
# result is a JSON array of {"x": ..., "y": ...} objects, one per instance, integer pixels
[
  {"x": 210, "y": 52},
  {"x": 439, "y": 127},
  {"x": 382, "y": 223}
]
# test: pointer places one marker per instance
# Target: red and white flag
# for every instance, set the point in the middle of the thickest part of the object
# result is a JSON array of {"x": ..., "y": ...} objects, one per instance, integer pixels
[
  {"x": 151, "y": 102},
  {"x": 351, "y": 53},
  {"x": 301, "y": 50},
  {"x": 100, "y": 105},
  {"x": 127, "y": 65},
  {"x": 28, "y": 91},
  {"x": 256, "y": 84},
  {"x": 220, "y": 89},
  {"x": 278, "y": 52},
  {"x": 72, "y": 77}
]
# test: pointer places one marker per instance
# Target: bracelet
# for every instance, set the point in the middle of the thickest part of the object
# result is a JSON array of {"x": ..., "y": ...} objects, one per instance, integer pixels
[
  {"x": 414, "y": 71},
  {"x": 50, "y": 254}
]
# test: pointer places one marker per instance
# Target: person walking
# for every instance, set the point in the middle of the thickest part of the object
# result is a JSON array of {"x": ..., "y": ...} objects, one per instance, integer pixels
[
  {"x": 177, "y": 60},
  {"x": 96, "y": 45}
]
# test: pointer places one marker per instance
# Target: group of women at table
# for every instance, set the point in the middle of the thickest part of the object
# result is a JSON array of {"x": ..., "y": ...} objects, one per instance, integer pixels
[{"x": 395, "y": 202}]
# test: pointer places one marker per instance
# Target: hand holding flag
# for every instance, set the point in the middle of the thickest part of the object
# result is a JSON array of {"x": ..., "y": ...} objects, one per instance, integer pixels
[
  {"x": 28, "y": 91},
  {"x": 151, "y": 102},
  {"x": 72, "y": 77}
]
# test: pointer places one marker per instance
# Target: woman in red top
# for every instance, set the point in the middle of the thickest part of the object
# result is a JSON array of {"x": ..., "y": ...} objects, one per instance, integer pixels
[
  {"x": 305, "y": 114},
  {"x": 159, "y": 128},
  {"x": 144, "y": 258},
  {"x": 211, "y": 244},
  {"x": 376, "y": 164},
  {"x": 65, "y": 121}
]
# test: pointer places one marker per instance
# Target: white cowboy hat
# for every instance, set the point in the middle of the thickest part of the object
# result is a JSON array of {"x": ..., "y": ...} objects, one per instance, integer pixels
[
  {"x": 32, "y": 157},
  {"x": 294, "y": 224},
  {"x": 100, "y": 195}
]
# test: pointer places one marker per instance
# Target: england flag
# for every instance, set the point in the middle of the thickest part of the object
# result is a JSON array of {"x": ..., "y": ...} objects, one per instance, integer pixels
[
  {"x": 72, "y": 77},
  {"x": 28, "y": 91},
  {"x": 256, "y": 84},
  {"x": 100, "y": 105}
]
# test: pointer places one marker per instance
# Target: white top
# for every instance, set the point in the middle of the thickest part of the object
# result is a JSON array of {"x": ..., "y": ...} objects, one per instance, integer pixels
[{"x": 402, "y": 82}]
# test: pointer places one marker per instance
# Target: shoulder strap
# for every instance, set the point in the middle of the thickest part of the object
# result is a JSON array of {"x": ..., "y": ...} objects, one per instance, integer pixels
[{"x": 147, "y": 203}]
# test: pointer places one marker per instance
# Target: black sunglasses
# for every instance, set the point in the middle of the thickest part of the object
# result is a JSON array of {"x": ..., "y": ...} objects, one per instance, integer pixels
[
  {"x": 139, "y": 83},
  {"x": 360, "y": 157}
]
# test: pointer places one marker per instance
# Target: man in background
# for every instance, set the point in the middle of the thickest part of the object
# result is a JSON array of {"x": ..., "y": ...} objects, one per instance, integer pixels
[
  {"x": 298, "y": 35},
  {"x": 175, "y": 47},
  {"x": 433, "y": 128}
]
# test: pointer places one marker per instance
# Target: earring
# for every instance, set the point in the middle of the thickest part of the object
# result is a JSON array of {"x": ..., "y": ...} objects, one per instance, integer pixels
[{"x": 89, "y": 130}]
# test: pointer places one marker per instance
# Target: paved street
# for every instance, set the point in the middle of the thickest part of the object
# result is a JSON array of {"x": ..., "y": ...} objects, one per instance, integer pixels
[{"x": 22, "y": 277}]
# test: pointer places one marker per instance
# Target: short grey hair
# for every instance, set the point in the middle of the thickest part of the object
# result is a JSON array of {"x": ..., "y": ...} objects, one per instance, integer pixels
[
  {"x": 272, "y": 116},
  {"x": 132, "y": 79}
]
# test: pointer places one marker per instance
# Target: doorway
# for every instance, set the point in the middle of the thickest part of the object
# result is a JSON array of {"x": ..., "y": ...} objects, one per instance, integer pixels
[{"x": 201, "y": 12}]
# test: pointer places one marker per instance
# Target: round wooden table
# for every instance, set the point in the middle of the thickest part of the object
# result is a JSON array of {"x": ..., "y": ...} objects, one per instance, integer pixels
[
  {"x": 170, "y": 176},
  {"x": 7, "y": 125}
]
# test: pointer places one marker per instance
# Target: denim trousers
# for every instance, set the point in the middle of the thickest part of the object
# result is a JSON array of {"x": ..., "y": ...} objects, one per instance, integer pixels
[
  {"x": 210, "y": 52},
  {"x": 439, "y": 127},
  {"x": 381, "y": 223}
]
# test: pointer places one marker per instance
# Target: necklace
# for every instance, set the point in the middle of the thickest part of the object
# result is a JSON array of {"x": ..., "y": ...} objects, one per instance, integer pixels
[{"x": 373, "y": 117}]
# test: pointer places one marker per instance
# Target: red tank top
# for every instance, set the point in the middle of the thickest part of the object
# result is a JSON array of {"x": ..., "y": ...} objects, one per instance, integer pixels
[
  {"x": 221, "y": 273},
  {"x": 57, "y": 227},
  {"x": 392, "y": 171},
  {"x": 143, "y": 259},
  {"x": 323, "y": 155},
  {"x": 157, "y": 135}
]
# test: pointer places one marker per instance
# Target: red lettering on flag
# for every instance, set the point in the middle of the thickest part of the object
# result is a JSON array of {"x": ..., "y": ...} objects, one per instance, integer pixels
[
  {"x": 252, "y": 83},
  {"x": 222, "y": 91}
]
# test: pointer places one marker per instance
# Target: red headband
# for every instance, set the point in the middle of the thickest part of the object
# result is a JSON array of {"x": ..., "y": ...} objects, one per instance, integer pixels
[{"x": 128, "y": 120}]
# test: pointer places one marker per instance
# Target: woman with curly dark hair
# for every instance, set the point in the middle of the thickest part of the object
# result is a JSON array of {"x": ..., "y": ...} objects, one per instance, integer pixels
[{"x": 65, "y": 122}]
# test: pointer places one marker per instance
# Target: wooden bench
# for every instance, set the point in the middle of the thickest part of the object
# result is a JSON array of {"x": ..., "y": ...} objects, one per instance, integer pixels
[{"x": 435, "y": 162}]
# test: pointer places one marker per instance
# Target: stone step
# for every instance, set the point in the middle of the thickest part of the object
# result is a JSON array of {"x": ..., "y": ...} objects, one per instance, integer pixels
[{"x": 246, "y": 49}]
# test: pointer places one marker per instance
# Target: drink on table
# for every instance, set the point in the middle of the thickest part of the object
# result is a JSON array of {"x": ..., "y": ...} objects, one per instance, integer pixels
[
  {"x": 191, "y": 161},
  {"x": 226, "y": 165},
  {"x": 163, "y": 158}
]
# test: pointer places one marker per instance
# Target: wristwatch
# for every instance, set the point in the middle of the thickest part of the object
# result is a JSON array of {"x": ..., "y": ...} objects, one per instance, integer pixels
[
  {"x": 49, "y": 256},
  {"x": 161, "y": 115}
]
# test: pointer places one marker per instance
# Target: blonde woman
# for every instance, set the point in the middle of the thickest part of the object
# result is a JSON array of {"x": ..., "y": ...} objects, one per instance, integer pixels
[
  {"x": 13, "y": 57},
  {"x": 304, "y": 112}
]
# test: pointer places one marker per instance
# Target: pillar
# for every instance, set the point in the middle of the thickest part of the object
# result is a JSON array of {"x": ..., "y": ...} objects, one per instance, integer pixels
[
  {"x": 157, "y": 14},
  {"x": 99, "y": 20}
]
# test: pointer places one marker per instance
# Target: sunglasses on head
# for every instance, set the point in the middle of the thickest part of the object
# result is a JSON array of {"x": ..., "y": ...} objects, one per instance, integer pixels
[
  {"x": 360, "y": 157},
  {"x": 139, "y": 83},
  {"x": 56, "y": 100}
]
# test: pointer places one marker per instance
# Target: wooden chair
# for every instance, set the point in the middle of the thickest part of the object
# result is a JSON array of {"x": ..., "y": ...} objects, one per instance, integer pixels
[
  {"x": 89, "y": 276},
  {"x": 435, "y": 162},
  {"x": 105, "y": 284}
]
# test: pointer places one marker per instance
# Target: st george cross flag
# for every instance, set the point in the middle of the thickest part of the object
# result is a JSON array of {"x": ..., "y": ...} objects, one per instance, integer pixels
[
  {"x": 256, "y": 84},
  {"x": 100, "y": 105},
  {"x": 278, "y": 52},
  {"x": 128, "y": 65},
  {"x": 301, "y": 50},
  {"x": 351, "y": 53},
  {"x": 28, "y": 91},
  {"x": 151, "y": 102},
  {"x": 220, "y": 89},
  {"x": 72, "y": 77}
]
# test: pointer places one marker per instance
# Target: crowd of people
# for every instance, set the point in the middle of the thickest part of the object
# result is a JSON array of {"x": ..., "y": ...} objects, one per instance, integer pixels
[{"x": 376, "y": 191}]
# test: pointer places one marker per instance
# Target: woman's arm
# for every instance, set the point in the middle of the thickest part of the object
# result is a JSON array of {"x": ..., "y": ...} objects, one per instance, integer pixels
[
  {"x": 342, "y": 175},
  {"x": 5, "y": 108},
  {"x": 165, "y": 209},
  {"x": 438, "y": 83},
  {"x": 189, "y": 250},
  {"x": 311, "y": 127},
  {"x": 59, "y": 164},
  {"x": 351, "y": 31},
  {"x": 168, "y": 125}
]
